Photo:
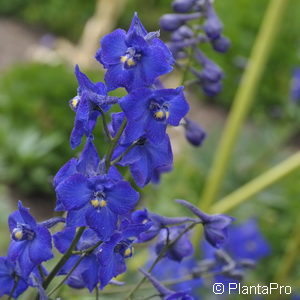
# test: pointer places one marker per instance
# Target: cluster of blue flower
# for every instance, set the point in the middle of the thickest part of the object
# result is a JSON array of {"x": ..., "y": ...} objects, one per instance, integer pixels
[
  {"x": 185, "y": 40},
  {"x": 101, "y": 224}
]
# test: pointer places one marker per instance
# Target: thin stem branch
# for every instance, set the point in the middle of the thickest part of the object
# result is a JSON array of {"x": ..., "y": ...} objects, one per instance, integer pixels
[
  {"x": 81, "y": 257},
  {"x": 120, "y": 157},
  {"x": 104, "y": 123},
  {"x": 13, "y": 289},
  {"x": 243, "y": 100},
  {"x": 158, "y": 258},
  {"x": 64, "y": 258},
  {"x": 113, "y": 144}
]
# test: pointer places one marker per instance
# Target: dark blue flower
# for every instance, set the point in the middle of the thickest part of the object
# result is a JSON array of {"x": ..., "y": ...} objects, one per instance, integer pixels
[
  {"x": 145, "y": 158},
  {"x": 181, "y": 248},
  {"x": 90, "y": 98},
  {"x": 215, "y": 226},
  {"x": 86, "y": 273},
  {"x": 31, "y": 243},
  {"x": 9, "y": 275},
  {"x": 96, "y": 201},
  {"x": 166, "y": 293},
  {"x": 148, "y": 112},
  {"x": 133, "y": 59},
  {"x": 88, "y": 164},
  {"x": 113, "y": 253},
  {"x": 194, "y": 133}
]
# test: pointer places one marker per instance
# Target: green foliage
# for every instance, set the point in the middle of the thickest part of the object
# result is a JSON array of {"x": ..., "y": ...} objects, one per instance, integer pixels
[{"x": 35, "y": 125}]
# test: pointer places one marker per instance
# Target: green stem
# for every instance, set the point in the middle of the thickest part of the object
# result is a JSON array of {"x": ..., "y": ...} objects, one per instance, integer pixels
[
  {"x": 104, "y": 123},
  {"x": 64, "y": 258},
  {"x": 244, "y": 98},
  {"x": 158, "y": 258},
  {"x": 115, "y": 161},
  {"x": 113, "y": 144},
  {"x": 13, "y": 289},
  {"x": 68, "y": 275},
  {"x": 258, "y": 184},
  {"x": 82, "y": 256},
  {"x": 290, "y": 257}
]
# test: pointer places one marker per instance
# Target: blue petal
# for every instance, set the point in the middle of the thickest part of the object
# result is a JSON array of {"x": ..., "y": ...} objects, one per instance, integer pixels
[
  {"x": 41, "y": 245},
  {"x": 76, "y": 218},
  {"x": 116, "y": 76},
  {"x": 137, "y": 26},
  {"x": 74, "y": 192},
  {"x": 135, "y": 104},
  {"x": 121, "y": 198},
  {"x": 6, "y": 285},
  {"x": 90, "y": 276},
  {"x": 77, "y": 133},
  {"x": 63, "y": 239},
  {"x": 141, "y": 171},
  {"x": 112, "y": 48},
  {"x": 89, "y": 159},
  {"x": 65, "y": 171},
  {"x": 178, "y": 109},
  {"x": 16, "y": 249},
  {"x": 26, "y": 265},
  {"x": 27, "y": 217},
  {"x": 13, "y": 220},
  {"x": 103, "y": 221},
  {"x": 156, "y": 131}
]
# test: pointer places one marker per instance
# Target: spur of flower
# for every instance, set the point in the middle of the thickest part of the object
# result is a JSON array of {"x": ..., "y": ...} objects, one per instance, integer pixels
[{"x": 135, "y": 58}]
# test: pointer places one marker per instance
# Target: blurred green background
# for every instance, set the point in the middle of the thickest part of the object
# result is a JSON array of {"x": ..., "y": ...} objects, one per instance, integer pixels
[{"x": 35, "y": 120}]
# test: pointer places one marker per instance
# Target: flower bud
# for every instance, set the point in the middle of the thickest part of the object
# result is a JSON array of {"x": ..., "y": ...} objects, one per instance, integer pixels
[
  {"x": 221, "y": 44},
  {"x": 183, "y": 6},
  {"x": 194, "y": 133},
  {"x": 212, "y": 26},
  {"x": 171, "y": 22}
]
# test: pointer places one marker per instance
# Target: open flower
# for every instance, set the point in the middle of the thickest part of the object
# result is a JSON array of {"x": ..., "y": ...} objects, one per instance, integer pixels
[
  {"x": 9, "y": 275},
  {"x": 31, "y": 243},
  {"x": 96, "y": 202},
  {"x": 148, "y": 112},
  {"x": 133, "y": 59},
  {"x": 90, "y": 96}
]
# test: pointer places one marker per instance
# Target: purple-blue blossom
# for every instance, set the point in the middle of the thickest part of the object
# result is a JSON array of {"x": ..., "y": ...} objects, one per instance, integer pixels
[
  {"x": 133, "y": 59},
  {"x": 31, "y": 243}
]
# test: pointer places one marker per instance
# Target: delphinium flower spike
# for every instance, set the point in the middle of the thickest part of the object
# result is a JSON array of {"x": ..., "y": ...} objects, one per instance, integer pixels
[{"x": 196, "y": 24}]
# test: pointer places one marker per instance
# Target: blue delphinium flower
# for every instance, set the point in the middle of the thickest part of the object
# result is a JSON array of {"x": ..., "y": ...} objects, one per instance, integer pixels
[
  {"x": 90, "y": 98},
  {"x": 11, "y": 278},
  {"x": 215, "y": 226},
  {"x": 86, "y": 273},
  {"x": 31, "y": 243},
  {"x": 181, "y": 248},
  {"x": 96, "y": 202},
  {"x": 133, "y": 59},
  {"x": 88, "y": 164},
  {"x": 165, "y": 293},
  {"x": 148, "y": 112},
  {"x": 113, "y": 253}
]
